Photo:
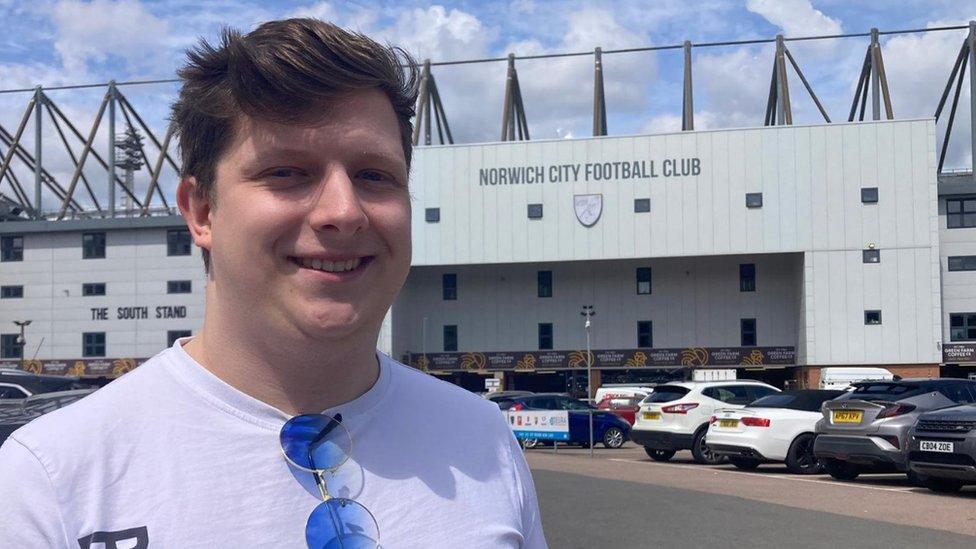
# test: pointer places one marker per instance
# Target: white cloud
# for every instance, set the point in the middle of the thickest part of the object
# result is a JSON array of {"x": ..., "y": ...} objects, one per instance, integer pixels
[
  {"x": 104, "y": 29},
  {"x": 795, "y": 17}
]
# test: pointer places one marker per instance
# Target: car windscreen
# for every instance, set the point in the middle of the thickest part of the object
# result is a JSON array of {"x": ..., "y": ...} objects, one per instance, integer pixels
[
  {"x": 883, "y": 391},
  {"x": 666, "y": 393},
  {"x": 804, "y": 401}
]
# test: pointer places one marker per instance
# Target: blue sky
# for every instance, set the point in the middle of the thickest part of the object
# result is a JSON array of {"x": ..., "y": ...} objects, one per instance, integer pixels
[{"x": 73, "y": 41}]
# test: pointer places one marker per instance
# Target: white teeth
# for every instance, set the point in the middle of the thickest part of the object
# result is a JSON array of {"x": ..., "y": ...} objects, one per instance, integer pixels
[{"x": 332, "y": 267}]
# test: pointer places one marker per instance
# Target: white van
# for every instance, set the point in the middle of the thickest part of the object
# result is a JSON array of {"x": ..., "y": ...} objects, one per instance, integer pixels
[
  {"x": 622, "y": 390},
  {"x": 840, "y": 378}
]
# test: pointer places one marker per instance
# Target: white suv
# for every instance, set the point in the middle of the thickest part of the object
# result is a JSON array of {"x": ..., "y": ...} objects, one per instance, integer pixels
[{"x": 675, "y": 416}]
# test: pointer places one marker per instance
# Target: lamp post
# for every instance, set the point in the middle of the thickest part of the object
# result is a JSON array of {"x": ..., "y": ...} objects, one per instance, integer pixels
[
  {"x": 587, "y": 312},
  {"x": 21, "y": 340}
]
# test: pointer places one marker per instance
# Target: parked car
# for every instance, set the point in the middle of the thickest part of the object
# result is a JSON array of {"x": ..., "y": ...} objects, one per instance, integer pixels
[
  {"x": 18, "y": 384},
  {"x": 607, "y": 427},
  {"x": 842, "y": 377},
  {"x": 15, "y": 414},
  {"x": 623, "y": 406},
  {"x": 504, "y": 399},
  {"x": 776, "y": 428},
  {"x": 675, "y": 416},
  {"x": 866, "y": 430},
  {"x": 943, "y": 448}
]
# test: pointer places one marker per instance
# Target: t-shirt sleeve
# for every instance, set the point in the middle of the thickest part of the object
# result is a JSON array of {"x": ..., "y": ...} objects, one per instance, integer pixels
[
  {"x": 31, "y": 515},
  {"x": 532, "y": 533}
]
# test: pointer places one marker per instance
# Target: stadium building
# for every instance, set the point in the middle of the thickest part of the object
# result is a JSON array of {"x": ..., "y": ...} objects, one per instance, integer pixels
[{"x": 776, "y": 251}]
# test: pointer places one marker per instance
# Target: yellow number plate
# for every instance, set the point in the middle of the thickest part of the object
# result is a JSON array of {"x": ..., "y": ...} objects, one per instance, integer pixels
[
  {"x": 848, "y": 416},
  {"x": 728, "y": 423},
  {"x": 652, "y": 415}
]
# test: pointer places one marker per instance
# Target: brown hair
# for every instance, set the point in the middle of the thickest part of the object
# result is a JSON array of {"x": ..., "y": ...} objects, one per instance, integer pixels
[{"x": 282, "y": 72}]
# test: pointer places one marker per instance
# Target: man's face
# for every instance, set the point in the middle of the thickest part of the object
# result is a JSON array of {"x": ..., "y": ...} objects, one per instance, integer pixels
[{"x": 311, "y": 226}]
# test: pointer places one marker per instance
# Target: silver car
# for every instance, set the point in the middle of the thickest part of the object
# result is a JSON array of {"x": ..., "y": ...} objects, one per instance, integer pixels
[{"x": 866, "y": 430}]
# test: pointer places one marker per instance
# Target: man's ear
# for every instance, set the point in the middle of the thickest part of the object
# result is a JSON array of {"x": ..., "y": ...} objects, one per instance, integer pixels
[{"x": 195, "y": 206}]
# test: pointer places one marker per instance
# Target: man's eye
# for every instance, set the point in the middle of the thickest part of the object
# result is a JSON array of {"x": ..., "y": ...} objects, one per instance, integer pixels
[
  {"x": 376, "y": 175},
  {"x": 283, "y": 173}
]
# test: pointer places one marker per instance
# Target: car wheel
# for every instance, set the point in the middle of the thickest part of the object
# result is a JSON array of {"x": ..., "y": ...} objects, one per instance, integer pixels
[
  {"x": 613, "y": 438},
  {"x": 744, "y": 463},
  {"x": 800, "y": 459},
  {"x": 943, "y": 485},
  {"x": 530, "y": 442},
  {"x": 701, "y": 452},
  {"x": 659, "y": 455},
  {"x": 841, "y": 470}
]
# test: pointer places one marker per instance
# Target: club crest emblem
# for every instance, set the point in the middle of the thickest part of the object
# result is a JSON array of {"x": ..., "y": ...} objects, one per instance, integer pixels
[{"x": 588, "y": 208}]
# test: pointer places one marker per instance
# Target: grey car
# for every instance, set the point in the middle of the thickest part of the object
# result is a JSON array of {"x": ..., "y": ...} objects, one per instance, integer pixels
[
  {"x": 943, "y": 448},
  {"x": 866, "y": 429}
]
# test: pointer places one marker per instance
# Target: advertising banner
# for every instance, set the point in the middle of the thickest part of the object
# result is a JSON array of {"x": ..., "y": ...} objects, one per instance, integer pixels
[{"x": 539, "y": 424}]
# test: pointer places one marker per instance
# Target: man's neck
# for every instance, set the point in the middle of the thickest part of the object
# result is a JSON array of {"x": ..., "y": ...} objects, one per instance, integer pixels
[{"x": 295, "y": 375}]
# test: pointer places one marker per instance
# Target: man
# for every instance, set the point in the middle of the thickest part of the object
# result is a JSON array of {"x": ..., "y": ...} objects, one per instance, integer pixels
[{"x": 295, "y": 140}]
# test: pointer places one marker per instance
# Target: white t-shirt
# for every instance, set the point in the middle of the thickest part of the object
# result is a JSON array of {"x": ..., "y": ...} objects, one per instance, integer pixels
[{"x": 171, "y": 456}]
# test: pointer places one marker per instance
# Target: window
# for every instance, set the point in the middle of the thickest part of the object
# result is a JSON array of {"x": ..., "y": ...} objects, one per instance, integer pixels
[
  {"x": 93, "y": 245},
  {"x": 747, "y": 277},
  {"x": 753, "y": 200},
  {"x": 872, "y": 318},
  {"x": 9, "y": 348},
  {"x": 545, "y": 284},
  {"x": 173, "y": 335},
  {"x": 957, "y": 392},
  {"x": 643, "y": 280},
  {"x": 962, "y": 263},
  {"x": 869, "y": 195},
  {"x": 747, "y": 327},
  {"x": 11, "y": 292},
  {"x": 449, "y": 286},
  {"x": 93, "y": 288},
  {"x": 535, "y": 211},
  {"x": 12, "y": 248},
  {"x": 178, "y": 242},
  {"x": 545, "y": 336},
  {"x": 731, "y": 394},
  {"x": 432, "y": 215},
  {"x": 960, "y": 213},
  {"x": 962, "y": 327},
  {"x": 450, "y": 338},
  {"x": 8, "y": 391},
  {"x": 645, "y": 334},
  {"x": 93, "y": 344},
  {"x": 179, "y": 286},
  {"x": 642, "y": 205},
  {"x": 871, "y": 256}
]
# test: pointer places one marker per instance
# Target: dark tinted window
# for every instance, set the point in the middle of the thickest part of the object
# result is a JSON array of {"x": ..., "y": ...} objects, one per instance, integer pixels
[
  {"x": 93, "y": 344},
  {"x": 748, "y": 332},
  {"x": 642, "y": 205},
  {"x": 566, "y": 403},
  {"x": 666, "y": 393},
  {"x": 9, "y": 348},
  {"x": 869, "y": 195},
  {"x": 957, "y": 392},
  {"x": 535, "y": 211},
  {"x": 643, "y": 280},
  {"x": 884, "y": 391},
  {"x": 545, "y": 336},
  {"x": 731, "y": 394},
  {"x": 871, "y": 256},
  {"x": 962, "y": 327},
  {"x": 179, "y": 286},
  {"x": 449, "y": 286},
  {"x": 432, "y": 215},
  {"x": 450, "y": 338},
  {"x": 758, "y": 391},
  {"x": 808, "y": 401},
  {"x": 545, "y": 284},
  {"x": 93, "y": 288},
  {"x": 541, "y": 403},
  {"x": 12, "y": 392},
  {"x": 753, "y": 200},
  {"x": 747, "y": 277},
  {"x": 178, "y": 242},
  {"x": 645, "y": 334},
  {"x": 960, "y": 213},
  {"x": 962, "y": 263},
  {"x": 11, "y": 248},
  {"x": 93, "y": 245},
  {"x": 173, "y": 335},
  {"x": 11, "y": 292}
]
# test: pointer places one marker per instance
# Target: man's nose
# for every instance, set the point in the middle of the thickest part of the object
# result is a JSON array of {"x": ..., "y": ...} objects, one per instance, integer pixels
[{"x": 337, "y": 206}]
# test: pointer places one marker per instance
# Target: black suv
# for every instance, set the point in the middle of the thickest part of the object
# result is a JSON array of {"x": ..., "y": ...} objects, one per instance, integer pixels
[{"x": 943, "y": 448}]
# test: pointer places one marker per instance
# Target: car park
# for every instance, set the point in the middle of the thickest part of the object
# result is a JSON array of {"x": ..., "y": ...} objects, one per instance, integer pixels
[
  {"x": 623, "y": 406},
  {"x": 943, "y": 448},
  {"x": 609, "y": 429},
  {"x": 17, "y": 413},
  {"x": 675, "y": 416},
  {"x": 867, "y": 430},
  {"x": 776, "y": 428}
]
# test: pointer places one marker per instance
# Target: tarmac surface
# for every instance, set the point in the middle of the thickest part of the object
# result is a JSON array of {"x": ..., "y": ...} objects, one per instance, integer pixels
[{"x": 621, "y": 498}]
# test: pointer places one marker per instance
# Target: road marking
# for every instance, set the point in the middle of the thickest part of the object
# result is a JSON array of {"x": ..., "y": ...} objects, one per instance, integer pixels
[{"x": 777, "y": 477}]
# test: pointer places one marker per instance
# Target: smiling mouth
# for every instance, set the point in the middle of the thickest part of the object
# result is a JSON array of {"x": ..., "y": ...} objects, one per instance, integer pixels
[{"x": 345, "y": 266}]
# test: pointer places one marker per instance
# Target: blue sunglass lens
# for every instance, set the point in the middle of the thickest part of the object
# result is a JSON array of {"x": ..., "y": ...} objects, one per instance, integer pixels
[
  {"x": 315, "y": 442},
  {"x": 341, "y": 523}
]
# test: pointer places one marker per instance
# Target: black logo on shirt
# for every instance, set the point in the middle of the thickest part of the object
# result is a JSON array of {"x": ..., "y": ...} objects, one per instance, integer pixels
[{"x": 109, "y": 540}]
